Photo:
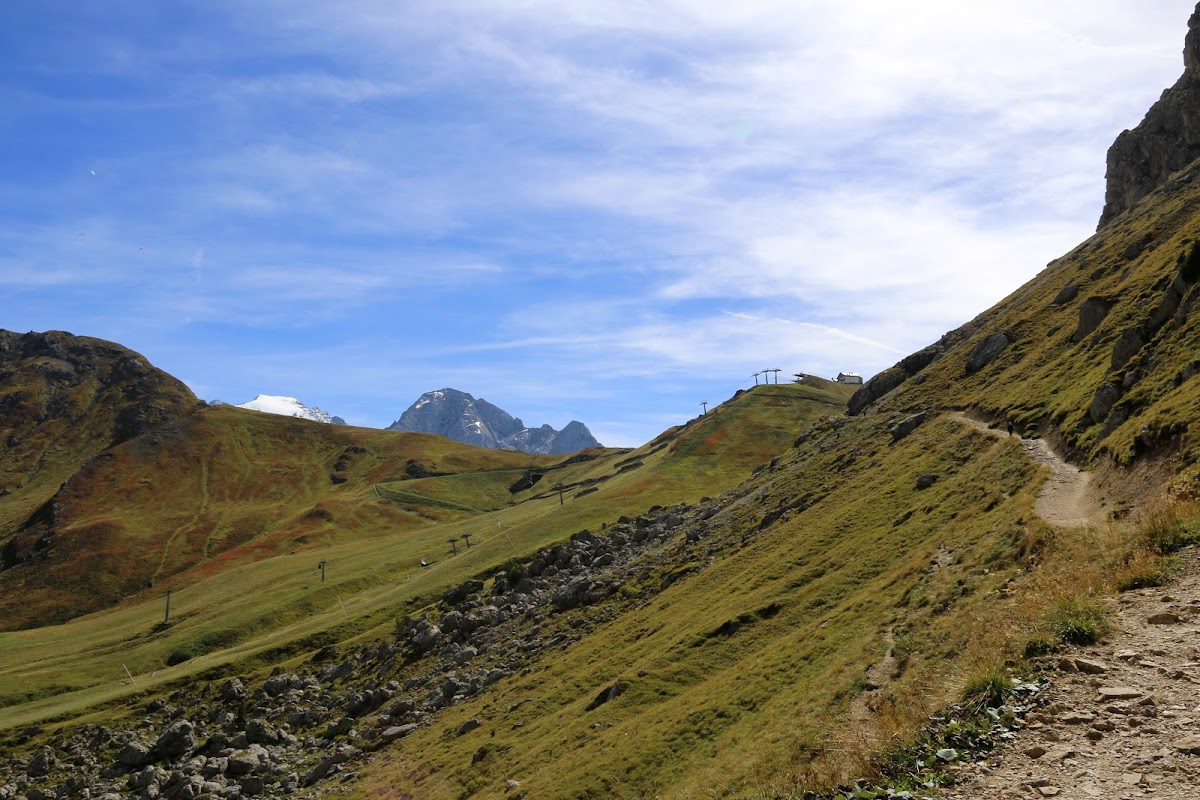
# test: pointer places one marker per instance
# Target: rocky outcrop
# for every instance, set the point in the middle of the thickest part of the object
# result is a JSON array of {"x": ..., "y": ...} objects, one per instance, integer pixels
[
  {"x": 459, "y": 416},
  {"x": 59, "y": 379},
  {"x": 909, "y": 366},
  {"x": 1167, "y": 140},
  {"x": 986, "y": 351}
]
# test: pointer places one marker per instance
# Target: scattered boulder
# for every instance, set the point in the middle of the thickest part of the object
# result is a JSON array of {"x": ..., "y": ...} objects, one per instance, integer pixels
[
  {"x": 907, "y": 425},
  {"x": 178, "y": 738},
  {"x": 1128, "y": 345},
  {"x": 1091, "y": 313},
  {"x": 1103, "y": 401},
  {"x": 259, "y": 731},
  {"x": 232, "y": 690},
  {"x": 243, "y": 762},
  {"x": 1066, "y": 294},
  {"x": 986, "y": 352},
  {"x": 925, "y": 480},
  {"x": 134, "y": 754},
  {"x": 397, "y": 732},
  {"x": 42, "y": 762}
]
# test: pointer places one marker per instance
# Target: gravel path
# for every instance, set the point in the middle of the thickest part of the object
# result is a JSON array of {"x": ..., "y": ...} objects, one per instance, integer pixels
[
  {"x": 1121, "y": 720},
  {"x": 1066, "y": 499}
]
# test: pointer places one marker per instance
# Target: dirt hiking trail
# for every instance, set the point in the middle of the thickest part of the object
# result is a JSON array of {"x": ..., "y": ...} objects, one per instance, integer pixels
[
  {"x": 1121, "y": 719},
  {"x": 1066, "y": 500}
]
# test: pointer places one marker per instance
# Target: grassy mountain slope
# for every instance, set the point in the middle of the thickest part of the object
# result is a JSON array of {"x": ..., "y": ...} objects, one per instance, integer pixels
[
  {"x": 747, "y": 676},
  {"x": 255, "y": 490},
  {"x": 221, "y": 487},
  {"x": 1104, "y": 345},
  {"x": 733, "y": 677},
  {"x": 63, "y": 400}
]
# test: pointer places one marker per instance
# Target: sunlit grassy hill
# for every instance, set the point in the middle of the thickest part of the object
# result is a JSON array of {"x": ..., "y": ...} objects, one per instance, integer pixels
[
  {"x": 233, "y": 510},
  {"x": 221, "y": 487},
  {"x": 740, "y": 677}
]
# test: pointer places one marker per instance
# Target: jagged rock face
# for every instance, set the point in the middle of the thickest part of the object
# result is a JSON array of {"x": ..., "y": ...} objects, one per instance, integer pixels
[
  {"x": 1167, "y": 140},
  {"x": 459, "y": 416}
]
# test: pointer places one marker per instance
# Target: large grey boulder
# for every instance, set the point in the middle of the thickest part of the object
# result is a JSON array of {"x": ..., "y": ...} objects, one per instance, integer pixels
[
  {"x": 986, "y": 351},
  {"x": 178, "y": 738},
  {"x": 907, "y": 425}
]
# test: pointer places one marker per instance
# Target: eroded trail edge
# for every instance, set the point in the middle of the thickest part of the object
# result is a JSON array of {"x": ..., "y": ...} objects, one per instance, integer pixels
[{"x": 1122, "y": 718}]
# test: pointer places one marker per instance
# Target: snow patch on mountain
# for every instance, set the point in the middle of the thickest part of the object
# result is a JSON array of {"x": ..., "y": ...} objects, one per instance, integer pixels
[{"x": 290, "y": 407}]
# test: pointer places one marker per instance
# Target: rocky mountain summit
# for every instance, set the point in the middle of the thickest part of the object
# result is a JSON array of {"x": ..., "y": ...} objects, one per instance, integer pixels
[
  {"x": 290, "y": 407},
  {"x": 459, "y": 416},
  {"x": 1166, "y": 141}
]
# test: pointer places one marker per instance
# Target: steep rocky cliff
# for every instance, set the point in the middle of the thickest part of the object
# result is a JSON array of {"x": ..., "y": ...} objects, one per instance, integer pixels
[{"x": 1167, "y": 140}]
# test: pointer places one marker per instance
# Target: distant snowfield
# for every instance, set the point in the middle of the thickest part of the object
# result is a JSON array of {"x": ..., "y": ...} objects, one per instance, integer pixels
[{"x": 289, "y": 407}]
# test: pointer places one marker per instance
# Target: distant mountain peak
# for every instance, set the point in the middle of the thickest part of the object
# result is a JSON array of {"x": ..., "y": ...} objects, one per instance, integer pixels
[
  {"x": 457, "y": 415},
  {"x": 290, "y": 407}
]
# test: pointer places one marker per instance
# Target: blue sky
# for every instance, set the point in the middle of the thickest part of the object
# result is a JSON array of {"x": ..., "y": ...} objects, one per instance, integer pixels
[{"x": 607, "y": 212}]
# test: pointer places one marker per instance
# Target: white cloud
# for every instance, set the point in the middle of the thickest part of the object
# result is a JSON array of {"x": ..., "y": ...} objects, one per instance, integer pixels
[{"x": 601, "y": 192}]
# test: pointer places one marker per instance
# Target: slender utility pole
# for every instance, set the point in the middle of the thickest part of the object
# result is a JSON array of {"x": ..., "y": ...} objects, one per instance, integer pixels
[
  {"x": 756, "y": 378},
  {"x": 321, "y": 567},
  {"x": 167, "y": 616},
  {"x": 705, "y": 405},
  {"x": 560, "y": 493}
]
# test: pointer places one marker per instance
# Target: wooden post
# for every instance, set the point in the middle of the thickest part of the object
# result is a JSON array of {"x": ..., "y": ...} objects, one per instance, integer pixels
[
  {"x": 321, "y": 567},
  {"x": 167, "y": 616}
]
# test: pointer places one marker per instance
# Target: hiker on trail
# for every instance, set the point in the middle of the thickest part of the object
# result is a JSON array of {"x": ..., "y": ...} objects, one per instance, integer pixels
[{"x": 1010, "y": 428}]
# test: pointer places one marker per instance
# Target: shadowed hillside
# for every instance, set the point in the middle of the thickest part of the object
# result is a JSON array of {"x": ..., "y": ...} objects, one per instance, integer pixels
[{"x": 63, "y": 400}]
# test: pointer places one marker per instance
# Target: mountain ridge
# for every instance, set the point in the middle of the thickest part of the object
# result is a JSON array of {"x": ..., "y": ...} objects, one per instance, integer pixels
[{"x": 460, "y": 416}]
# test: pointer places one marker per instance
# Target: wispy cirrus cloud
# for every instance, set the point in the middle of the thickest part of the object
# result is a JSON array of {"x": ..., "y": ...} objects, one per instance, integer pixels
[{"x": 562, "y": 201}]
